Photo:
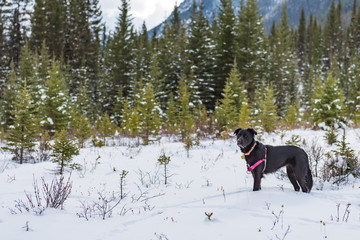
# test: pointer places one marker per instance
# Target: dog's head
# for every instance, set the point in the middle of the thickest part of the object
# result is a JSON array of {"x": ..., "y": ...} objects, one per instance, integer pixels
[{"x": 244, "y": 137}]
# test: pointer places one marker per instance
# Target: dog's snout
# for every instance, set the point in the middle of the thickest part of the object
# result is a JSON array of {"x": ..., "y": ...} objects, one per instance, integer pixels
[{"x": 240, "y": 142}]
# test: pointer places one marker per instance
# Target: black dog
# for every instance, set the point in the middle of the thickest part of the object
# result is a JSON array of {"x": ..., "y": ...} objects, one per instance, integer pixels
[{"x": 262, "y": 159}]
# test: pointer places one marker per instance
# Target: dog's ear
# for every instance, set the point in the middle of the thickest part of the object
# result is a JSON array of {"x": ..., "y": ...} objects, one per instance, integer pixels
[
  {"x": 252, "y": 131},
  {"x": 237, "y": 131}
]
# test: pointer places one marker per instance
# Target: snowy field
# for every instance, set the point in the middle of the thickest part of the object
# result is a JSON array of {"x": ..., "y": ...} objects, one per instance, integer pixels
[{"x": 212, "y": 180}]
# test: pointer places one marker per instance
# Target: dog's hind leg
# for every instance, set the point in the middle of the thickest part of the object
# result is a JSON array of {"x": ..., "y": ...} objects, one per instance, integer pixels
[
  {"x": 292, "y": 177},
  {"x": 306, "y": 182},
  {"x": 304, "y": 186}
]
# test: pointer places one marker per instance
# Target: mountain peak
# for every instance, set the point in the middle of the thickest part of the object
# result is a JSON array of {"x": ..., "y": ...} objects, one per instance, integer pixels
[{"x": 270, "y": 10}]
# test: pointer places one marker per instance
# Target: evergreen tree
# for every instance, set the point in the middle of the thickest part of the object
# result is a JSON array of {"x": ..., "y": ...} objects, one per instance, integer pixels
[
  {"x": 43, "y": 63},
  {"x": 357, "y": 32},
  {"x": 353, "y": 90},
  {"x": 339, "y": 31},
  {"x": 256, "y": 104},
  {"x": 15, "y": 36},
  {"x": 301, "y": 42},
  {"x": 121, "y": 57},
  {"x": 172, "y": 57},
  {"x": 170, "y": 120},
  {"x": 251, "y": 46},
  {"x": 26, "y": 65},
  {"x": 55, "y": 101},
  {"x": 284, "y": 73},
  {"x": 83, "y": 102},
  {"x": 293, "y": 114},
  {"x": 201, "y": 55},
  {"x": 4, "y": 52},
  {"x": 169, "y": 63},
  {"x": 126, "y": 117},
  {"x": 245, "y": 115},
  {"x": 328, "y": 105},
  {"x": 234, "y": 95},
  {"x": 8, "y": 98},
  {"x": 268, "y": 110},
  {"x": 22, "y": 135},
  {"x": 149, "y": 114},
  {"x": 193, "y": 89},
  {"x": 48, "y": 24},
  {"x": 33, "y": 76},
  {"x": 272, "y": 36},
  {"x": 309, "y": 40},
  {"x": 225, "y": 113},
  {"x": 143, "y": 56},
  {"x": 39, "y": 24},
  {"x": 82, "y": 45},
  {"x": 348, "y": 159},
  {"x": 130, "y": 122},
  {"x": 155, "y": 78},
  {"x": 237, "y": 89},
  {"x": 78, "y": 35},
  {"x": 351, "y": 33},
  {"x": 63, "y": 151},
  {"x": 105, "y": 127},
  {"x": 332, "y": 34},
  {"x": 184, "y": 116},
  {"x": 81, "y": 128},
  {"x": 134, "y": 123},
  {"x": 225, "y": 45},
  {"x": 202, "y": 122},
  {"x": 119, "y": 104},
  {"x": 309, "y": 88}
]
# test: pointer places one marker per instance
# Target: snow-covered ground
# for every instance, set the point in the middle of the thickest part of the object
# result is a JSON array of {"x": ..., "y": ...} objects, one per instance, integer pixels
[{"x": 213, "y": 179}]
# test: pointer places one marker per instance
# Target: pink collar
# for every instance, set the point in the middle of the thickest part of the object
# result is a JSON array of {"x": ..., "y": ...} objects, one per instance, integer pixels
[
  {"x": 250, "y": 168},
  {"x": 248, "y": 153}
]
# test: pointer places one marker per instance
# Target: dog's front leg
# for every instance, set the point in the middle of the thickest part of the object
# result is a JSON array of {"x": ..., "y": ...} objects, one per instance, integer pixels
[{"x": 257, "y": 180}]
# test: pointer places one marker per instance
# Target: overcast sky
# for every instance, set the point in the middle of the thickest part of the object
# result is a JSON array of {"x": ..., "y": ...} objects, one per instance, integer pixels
[{"x": 152, "y": 12}]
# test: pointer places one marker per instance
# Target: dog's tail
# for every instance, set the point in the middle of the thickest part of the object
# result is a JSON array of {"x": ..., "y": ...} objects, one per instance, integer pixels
[{"x": 308, "y": 180}]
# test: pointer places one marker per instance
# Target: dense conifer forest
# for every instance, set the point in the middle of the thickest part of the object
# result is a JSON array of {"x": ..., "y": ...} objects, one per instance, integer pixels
[{"x": 61, "y": 69}]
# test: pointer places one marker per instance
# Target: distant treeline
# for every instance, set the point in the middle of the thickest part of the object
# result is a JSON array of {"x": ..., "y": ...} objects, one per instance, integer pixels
[{"x": 58, "y": 60}]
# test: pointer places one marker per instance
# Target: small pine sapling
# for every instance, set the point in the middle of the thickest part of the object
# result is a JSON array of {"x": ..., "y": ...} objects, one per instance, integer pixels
[
  {"x": 165, "y": 160},
  {"x": 343, "y": 162},
  {"x": 294, "y": 141},
  {"x": 96, "y": 142},
  {"x": 268, "y": 110},
  {"x": 331, "y": 136},
  {"x": 122, "y": 183},
  {"x": 63, "y": 151},
  {"x": 105, "y": 127},
  {"x": 349, "y": 157},
  {"x": 82, "y": 129},
  {"x": 23, "y": 132}
]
